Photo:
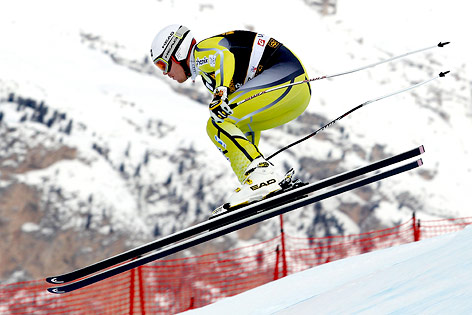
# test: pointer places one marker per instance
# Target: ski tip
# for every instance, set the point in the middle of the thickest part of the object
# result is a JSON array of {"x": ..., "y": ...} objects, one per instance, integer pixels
[
  {"x": 420, "y": 162},
  {"x": 442, "y": 44},
  {"x": 55, "y": 291},
  {"x": 421, "y": 149},
  {"x": 54, "y": 280},
  {"x": 443, "y": 74}
]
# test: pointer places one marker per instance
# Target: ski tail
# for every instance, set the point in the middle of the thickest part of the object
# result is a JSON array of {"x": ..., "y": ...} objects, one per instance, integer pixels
[{"x": 244, "y": 217}]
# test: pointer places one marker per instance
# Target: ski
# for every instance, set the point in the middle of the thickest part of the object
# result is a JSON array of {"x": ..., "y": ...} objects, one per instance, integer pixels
[
  {"x": 259, "y": 216},
  {"x": 224, "y": 218},
  {"x": 230, "y": 217}
]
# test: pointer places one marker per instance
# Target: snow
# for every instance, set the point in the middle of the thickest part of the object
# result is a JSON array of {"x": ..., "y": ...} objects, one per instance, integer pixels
[
  {"x": 433, "y": 276},
  {"x": 29, "y": 227},
  {"x": 45, "y": 55}
]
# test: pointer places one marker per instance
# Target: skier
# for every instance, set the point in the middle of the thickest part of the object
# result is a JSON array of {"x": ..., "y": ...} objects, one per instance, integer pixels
[{"x": 235, "y": 66}]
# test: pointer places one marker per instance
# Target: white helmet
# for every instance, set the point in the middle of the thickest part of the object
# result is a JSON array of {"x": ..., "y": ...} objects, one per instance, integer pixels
[{"x": 173, "y": 41}]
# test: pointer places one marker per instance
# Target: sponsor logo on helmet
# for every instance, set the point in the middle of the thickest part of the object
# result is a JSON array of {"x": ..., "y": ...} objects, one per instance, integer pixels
[{"x": 167, "y": 40}]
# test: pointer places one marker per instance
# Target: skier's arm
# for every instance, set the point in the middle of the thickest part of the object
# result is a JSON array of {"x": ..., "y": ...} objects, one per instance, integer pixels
[
  {"x": 217, "y": 62},
  {"x": 213, "y": 58}
]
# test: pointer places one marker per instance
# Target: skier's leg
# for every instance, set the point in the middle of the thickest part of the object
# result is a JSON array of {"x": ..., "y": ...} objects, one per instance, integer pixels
[
  {"x": 275, "y": 108},
  {"x": 233, "y": 143},
  {"x": 238, "y": 136}
]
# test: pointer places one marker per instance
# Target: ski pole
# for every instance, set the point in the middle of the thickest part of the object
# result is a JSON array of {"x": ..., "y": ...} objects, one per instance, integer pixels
[
  {"x": 440, "y": 75},
  {"x": 441, "y": 44}
]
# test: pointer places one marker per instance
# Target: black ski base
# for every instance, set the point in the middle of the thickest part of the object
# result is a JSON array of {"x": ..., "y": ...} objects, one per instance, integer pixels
[{"x": 232, "y": 221}]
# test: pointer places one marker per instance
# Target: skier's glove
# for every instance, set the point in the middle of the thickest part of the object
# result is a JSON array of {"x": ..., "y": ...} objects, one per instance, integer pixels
[{"x": 219, "y": 108}]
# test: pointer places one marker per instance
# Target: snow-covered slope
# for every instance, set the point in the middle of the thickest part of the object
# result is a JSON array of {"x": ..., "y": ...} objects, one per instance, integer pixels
[
  {"x": 105, "y": 145},
  {"x": 433, "y": 276}
]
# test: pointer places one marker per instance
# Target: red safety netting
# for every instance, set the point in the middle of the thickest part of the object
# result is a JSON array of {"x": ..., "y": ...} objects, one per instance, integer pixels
[
  {"x": 431, "y": 228},
  {"x": 172, "y": 286}
]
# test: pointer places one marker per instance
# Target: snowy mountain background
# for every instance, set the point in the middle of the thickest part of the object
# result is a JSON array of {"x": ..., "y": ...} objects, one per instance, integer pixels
[{"x": 99, "y": 152}]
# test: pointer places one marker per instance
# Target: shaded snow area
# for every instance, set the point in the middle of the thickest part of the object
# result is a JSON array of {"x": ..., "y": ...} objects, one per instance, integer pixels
[{"x": 433, "y": 276}]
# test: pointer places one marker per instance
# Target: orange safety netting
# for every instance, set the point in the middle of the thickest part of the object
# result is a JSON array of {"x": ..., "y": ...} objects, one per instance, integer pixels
[{"x": 172, "y": 286}]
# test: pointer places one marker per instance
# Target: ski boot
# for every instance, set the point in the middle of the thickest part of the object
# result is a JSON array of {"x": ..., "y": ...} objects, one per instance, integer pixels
[{"x": 261, "y": 182}]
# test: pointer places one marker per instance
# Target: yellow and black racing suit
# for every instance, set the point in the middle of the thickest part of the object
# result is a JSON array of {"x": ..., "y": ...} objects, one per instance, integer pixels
[{"x": 247, "y": 63}]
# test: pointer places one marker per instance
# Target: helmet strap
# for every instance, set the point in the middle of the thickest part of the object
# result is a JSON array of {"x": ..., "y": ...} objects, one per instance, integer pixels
[{"x": 184, "y": 63}]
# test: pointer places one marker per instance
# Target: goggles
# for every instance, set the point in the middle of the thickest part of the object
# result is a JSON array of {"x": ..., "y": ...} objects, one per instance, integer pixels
[
  {"x": 163, "y": 65},
  {"x": 163, "y": 60}
]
